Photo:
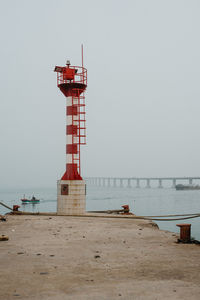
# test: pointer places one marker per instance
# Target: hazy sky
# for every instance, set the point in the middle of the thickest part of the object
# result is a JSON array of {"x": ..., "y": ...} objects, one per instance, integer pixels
[{"x": 143, "y": 95}]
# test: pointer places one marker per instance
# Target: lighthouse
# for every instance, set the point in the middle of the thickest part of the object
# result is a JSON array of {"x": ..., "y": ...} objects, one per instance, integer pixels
[{"x": 71, "y": 188}]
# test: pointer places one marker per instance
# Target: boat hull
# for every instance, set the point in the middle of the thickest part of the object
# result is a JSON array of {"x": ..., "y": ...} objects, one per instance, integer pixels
[
  {"x": 30, "y": 201},
  {"x": 182, "y": 187}
]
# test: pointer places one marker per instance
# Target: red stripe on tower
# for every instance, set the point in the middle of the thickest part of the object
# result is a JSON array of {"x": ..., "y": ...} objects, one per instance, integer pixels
[
  {"x": 72, "y": 110},
  {"x": 71, "y": 129},
  {"x": 72, "y": 149}
]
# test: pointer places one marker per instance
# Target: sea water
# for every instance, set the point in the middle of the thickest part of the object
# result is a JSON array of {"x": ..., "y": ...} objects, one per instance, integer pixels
[{"x": 142, "y": 202}]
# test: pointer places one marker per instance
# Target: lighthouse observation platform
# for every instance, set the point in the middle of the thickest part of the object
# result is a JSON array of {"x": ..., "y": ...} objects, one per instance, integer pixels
[{"x": 138, "y": 182}]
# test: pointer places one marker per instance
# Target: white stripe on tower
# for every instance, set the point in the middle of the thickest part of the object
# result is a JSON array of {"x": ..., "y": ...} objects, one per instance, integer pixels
[{"x": 69, "y": 120}]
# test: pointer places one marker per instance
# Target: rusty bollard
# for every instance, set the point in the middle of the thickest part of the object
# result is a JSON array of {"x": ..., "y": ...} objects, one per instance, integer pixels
[
  {"x": 15, "y": 207},
  {"x": 185, "y": 230},
  {"x": 126, "y": 209}
]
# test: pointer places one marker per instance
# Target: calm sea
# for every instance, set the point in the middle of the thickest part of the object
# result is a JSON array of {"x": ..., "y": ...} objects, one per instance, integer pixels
[{"x": 142, "y": 201}]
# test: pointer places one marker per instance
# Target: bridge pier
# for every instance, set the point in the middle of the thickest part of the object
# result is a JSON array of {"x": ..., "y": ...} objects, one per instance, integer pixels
[
  {"x": 160, "y": 184},
  {"x": 148, "y": 183},
  {"x": 129, "y": 183},
  {"x": 114, "y": 182},
  {"x": 190, "y": 181},
  {"x": 173, "y": 183},
  {"x": 137, "y": 183},
  {"x": 121, "y": 182},
  {"x": 108, "y": 182}
]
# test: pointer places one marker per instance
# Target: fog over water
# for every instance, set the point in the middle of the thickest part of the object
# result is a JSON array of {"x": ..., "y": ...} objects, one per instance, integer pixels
[{"x": 143, "y": 95}]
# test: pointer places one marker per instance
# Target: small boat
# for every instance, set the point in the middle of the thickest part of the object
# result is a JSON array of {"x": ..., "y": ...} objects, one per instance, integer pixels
[
  {"x": 181, "y": 187},
  {"x": 32, "y": 200}
]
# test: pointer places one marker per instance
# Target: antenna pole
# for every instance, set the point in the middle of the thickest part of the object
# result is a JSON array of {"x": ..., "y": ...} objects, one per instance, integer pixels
[{"x": 82, "y": 54}]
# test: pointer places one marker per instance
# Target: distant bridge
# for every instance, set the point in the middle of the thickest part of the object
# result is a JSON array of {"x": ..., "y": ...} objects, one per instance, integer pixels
[{"x": 136, "y": 181}]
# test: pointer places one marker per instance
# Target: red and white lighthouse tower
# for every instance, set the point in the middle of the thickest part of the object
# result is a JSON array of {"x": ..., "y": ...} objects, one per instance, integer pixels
[{"x": 72, "y": 81}]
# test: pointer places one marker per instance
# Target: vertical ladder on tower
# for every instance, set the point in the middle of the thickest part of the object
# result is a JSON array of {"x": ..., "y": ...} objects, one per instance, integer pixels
[{"x": 79, "y": 138}]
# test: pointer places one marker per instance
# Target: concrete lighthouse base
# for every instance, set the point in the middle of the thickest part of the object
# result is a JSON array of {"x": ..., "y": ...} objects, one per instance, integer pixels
[{"x": 71, "y": 196}]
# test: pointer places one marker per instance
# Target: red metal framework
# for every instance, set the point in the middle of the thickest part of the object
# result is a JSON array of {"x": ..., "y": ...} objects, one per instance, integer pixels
[
  {"x": 72, "y": 81},
  {"x": 71, "y": 74},
  {"x": 79, "y": 137}
]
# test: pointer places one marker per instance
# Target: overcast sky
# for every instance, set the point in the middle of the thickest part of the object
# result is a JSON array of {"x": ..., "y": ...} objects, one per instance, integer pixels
[{"x": 143, "y": 95}]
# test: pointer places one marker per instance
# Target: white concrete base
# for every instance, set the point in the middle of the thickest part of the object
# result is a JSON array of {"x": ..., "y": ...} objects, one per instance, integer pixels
[{"x": 71, "y": 196}]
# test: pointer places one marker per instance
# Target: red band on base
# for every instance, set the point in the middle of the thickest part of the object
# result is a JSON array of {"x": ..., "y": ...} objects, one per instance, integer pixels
[{"x": 71, "y": 173}]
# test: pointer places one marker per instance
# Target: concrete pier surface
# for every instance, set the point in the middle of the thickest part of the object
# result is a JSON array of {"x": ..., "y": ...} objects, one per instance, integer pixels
[{"x": 63, "y": 257}]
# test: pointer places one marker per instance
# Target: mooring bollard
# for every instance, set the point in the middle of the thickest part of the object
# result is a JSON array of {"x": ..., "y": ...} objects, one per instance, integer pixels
[
  {"x": 185, "y": 230},
  {"x": 126, "y": 208},
  {"x": 15, "y": 207}
]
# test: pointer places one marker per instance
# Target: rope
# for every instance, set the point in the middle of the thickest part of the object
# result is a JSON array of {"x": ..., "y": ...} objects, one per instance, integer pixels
[
  {"x": 182, "y": 215},
  {"x": 174, "y": 219},
  {"x": 5, "y": 205},
  {"x": 121, "y": 216}
]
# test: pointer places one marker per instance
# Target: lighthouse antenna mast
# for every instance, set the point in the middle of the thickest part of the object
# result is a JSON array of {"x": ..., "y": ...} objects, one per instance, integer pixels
[{"x": 82, "y": 54}]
